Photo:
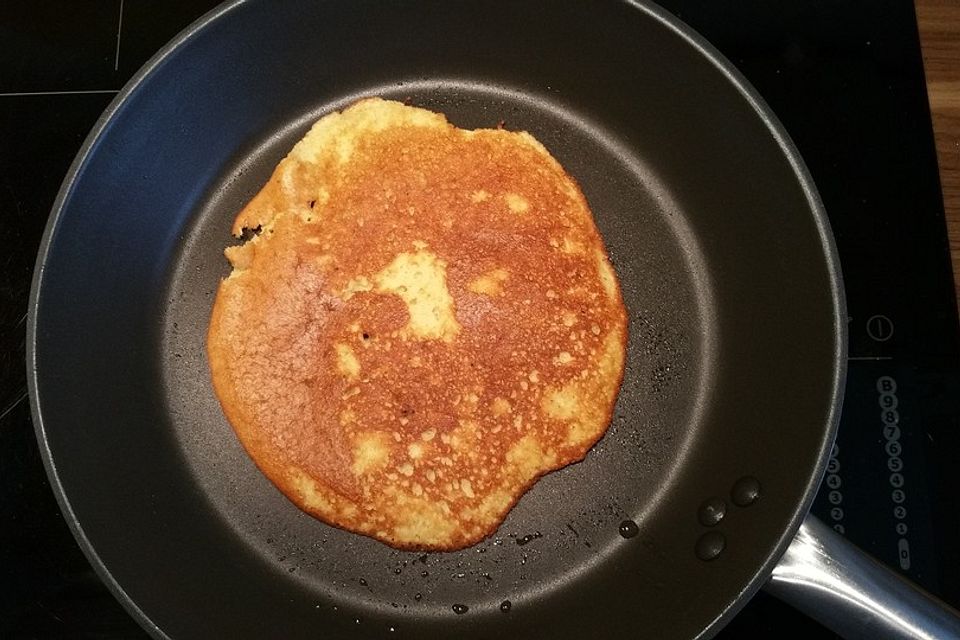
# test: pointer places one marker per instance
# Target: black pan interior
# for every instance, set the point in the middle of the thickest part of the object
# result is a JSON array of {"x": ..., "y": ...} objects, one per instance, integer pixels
[{"x": 731, "y": 290}]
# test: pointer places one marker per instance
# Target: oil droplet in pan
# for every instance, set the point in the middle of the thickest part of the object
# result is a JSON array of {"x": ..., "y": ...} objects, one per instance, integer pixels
[
  {"x": 460, "y": 609},
  {"x": 505, "y": 606},
  {"x": 712, "y": 511},
  {"x": 745, "y": 491},
  {"x": 629, "y": 528},
  {"x": 710, "y": 545},
  {"x": 530, "y": 537}
]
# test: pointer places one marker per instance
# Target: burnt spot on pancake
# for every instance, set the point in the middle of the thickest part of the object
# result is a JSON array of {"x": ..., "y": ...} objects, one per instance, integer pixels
[{"x": 425, "y": 324}]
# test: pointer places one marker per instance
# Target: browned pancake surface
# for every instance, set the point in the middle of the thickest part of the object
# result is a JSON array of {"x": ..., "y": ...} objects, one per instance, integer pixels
[{"x": 426, "y": 323}]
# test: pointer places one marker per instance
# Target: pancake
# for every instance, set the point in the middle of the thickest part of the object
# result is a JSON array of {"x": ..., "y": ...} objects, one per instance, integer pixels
[{"x": 424, "y": 322}]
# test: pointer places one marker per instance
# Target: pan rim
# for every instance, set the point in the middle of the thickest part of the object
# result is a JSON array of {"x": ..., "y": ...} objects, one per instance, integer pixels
[
  {"x": 779, "y": 133},
  {"x": 666, "y": 20},
  {"x": 63, "y": 195}
]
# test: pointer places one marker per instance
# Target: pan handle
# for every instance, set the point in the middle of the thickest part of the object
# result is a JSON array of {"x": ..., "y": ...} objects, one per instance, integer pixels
[{"x": 840, "y": 586}]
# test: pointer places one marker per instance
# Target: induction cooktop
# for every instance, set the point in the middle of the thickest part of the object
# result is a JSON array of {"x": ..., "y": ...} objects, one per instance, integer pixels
[{"x": 846, "y": 79}]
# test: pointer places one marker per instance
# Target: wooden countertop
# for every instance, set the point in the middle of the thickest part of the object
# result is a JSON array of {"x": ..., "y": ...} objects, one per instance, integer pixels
[{"x": 939, "y": 22}]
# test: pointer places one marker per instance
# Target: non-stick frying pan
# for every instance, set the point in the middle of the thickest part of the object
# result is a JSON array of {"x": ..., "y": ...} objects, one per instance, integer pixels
[{"x": 736, "y": 351}]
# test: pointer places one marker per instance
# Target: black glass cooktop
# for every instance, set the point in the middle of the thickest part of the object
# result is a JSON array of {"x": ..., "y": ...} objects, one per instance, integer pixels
[{"x": 847, "y": 81}]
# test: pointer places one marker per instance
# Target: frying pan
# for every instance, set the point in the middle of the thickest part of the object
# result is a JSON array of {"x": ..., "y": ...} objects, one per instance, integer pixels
[{"x": 735, "y": 359}]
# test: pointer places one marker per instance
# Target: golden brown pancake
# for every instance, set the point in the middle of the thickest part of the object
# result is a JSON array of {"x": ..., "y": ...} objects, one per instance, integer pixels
[{"x": 426, "y": 323}]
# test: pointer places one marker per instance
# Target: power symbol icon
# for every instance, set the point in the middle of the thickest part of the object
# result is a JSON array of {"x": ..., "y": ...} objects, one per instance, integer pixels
[{"x": 880, "y": 328}]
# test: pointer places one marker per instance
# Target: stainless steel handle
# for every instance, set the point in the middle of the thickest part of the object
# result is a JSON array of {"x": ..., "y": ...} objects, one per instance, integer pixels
[{"x": 843, "y": 588}]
